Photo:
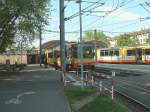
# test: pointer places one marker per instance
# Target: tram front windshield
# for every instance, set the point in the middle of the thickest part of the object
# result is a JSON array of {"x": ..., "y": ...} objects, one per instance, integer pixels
[{"x": 88, "y": 52}]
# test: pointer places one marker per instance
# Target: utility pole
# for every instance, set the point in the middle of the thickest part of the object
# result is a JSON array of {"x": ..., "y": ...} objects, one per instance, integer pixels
[
  {"x": 40, "y": 36},
  {"x": 62, "y": 38},
  {"x": 95, "y": 46},
  {"x": 81, "y": 43},
  {"x": 21, "y": 52}
]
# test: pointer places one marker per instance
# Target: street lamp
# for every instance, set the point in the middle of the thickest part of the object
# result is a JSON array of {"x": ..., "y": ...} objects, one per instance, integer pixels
[{"x": 81, "y": 43}]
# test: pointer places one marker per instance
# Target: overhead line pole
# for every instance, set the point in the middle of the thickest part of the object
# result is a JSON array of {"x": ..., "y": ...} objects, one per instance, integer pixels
[
  {"x": 95, "y": 44},
  {"x": 62, "y": 38},
  {"x": 81, "y": 44},
  {"x": 40, "y": 36}
]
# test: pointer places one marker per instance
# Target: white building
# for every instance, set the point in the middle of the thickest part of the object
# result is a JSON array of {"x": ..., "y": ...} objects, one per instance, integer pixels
[{"x": 142, "y": 36}]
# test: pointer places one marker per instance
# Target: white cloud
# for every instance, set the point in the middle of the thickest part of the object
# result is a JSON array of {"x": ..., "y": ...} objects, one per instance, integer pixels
[{"x": 119, "y": 14}]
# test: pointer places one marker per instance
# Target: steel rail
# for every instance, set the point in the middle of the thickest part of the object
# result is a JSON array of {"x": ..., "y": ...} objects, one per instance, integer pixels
[{"x": 125, "y": 95}]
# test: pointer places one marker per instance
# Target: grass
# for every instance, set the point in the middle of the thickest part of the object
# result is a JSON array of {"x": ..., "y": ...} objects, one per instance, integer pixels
[
  {"x": 103, "y": 104},
  {"x": 78, "y": 94},
  {"x": 148, "y": 88}
]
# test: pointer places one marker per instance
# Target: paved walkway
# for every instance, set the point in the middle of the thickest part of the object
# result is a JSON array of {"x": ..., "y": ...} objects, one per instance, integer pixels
[{"x": 34, "y": 89}]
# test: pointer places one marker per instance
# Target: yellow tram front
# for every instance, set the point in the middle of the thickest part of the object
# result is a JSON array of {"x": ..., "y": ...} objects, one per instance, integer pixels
[{"x": 74, "y": 55}]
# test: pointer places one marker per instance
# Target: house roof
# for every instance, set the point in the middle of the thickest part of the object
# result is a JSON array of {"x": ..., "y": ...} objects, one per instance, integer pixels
[
  {"x": 51, "y": 44},
  {"x": 99, "y": 44},
  {"x": 56, "y": 43}
]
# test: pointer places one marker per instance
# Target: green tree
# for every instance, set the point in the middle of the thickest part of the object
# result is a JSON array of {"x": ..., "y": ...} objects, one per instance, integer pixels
[
  {"x": 24, "y": 16},
  {"x": 148, "y": 39},
  {"x": 127, "y": 40},
  {"x": 135, "y": 41},
  {"x": 88, "y": 36},
  {"x": 100, "y": 36}
]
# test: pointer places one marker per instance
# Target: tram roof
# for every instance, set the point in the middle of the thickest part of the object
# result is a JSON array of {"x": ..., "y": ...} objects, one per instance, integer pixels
[{"x": 56, "y": 43}]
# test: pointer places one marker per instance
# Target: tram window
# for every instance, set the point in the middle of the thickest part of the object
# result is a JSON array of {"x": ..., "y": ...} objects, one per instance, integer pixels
[
  {"x": 74, "y": 52},
  {"x": 56, "y": 54},
  {"x": 147, "y": 51},
  {"x": 102, "y": 53},
  {"x": 50, "y": 55},
  {"x": 88, "y": 52},
  {"x": 131, "y": 53},
  {"x": 111, "y": 53},
  {"x": 106, "y": 52},
  {"x": 116, "y": 53}
]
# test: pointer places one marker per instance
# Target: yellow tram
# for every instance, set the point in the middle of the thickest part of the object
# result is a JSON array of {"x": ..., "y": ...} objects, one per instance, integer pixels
[
  {"x": 74, "y": 55},
  {"x": 130, "y": 55}
]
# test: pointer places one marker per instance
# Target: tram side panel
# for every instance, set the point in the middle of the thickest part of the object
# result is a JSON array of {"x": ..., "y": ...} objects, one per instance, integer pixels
[
  {"x": 117, "y": 55},
  {"x": 129, "y": 56},
  {"x": 109, "y": 56},
  {"x": 146, "y": 56}
]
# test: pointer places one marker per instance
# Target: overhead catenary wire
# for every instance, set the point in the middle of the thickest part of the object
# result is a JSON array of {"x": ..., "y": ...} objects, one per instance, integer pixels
[
  {"x": 72, "y": 32},
  {"x": 132, "y": 7},
  {"x": 85, "y": 15},
  {"x": 75, "y": 32},
  {"x": 145, "y": 8},
  {"x": 77, "y": 13},
  {"x": 127, "y": 25},
  {"x": 108, "y": 12}
]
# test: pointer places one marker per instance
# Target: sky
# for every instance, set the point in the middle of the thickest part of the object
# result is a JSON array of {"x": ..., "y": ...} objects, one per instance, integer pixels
[{"x": 113, "y": 17}]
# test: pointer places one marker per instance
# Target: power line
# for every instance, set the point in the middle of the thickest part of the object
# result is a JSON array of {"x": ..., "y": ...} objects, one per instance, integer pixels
[
  {"x": 75, "y": 32},
  {"x": 100, "y": 11},
  {"x": 108, "y": 12},
  {"x": 129, "y": 24},
  {"x": 118, "y": 14},
  {"x": 144, "y": 8},
  {"x": 77, "y": 13},
  {"x": 55, "y": 31}
]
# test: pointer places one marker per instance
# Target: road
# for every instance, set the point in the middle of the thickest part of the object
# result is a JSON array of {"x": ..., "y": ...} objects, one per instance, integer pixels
[{"x": 34, "y": 89}]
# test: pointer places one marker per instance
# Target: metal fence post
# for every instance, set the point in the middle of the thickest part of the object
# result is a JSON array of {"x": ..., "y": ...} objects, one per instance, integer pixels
[
  {"x": 112, "y": 91},
  {"x": 100, "y": 86},
  {"x": 92, "y": 80}
]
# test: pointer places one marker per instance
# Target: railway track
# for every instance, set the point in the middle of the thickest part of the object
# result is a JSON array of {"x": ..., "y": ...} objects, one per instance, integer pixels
[{"x": 132, "y": 103}]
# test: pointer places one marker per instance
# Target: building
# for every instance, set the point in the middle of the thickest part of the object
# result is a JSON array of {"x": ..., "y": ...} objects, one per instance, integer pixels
[
  {"x": 142, "y": 36},
  {"x": 33, "y": 56}
]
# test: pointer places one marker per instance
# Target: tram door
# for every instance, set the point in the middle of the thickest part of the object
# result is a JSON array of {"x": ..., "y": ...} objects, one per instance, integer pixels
[{"x": 138, "y": 55}]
